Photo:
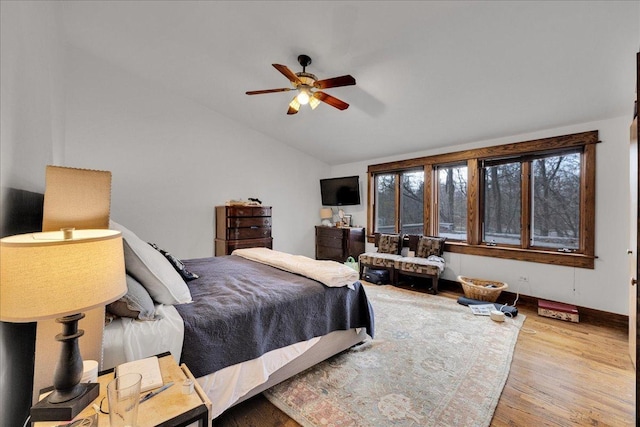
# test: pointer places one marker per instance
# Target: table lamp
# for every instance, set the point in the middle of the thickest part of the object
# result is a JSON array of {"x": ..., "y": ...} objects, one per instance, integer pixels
[
  {"x": 59, "y": 274},
  {"x": 326, "y": 214}
]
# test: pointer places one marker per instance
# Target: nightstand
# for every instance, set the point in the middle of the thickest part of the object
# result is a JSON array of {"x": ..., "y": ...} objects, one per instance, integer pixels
[{"x": 170, "y": 408}]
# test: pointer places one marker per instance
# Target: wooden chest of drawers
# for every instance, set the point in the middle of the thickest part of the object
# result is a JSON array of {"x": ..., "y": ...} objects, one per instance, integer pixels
[
  {"x": 338, "y": 244},
  {"x": 242, "y": 227}
]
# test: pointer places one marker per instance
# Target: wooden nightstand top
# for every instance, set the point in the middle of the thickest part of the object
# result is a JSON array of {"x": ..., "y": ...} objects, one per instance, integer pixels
[{"x": 170, "y": 408}]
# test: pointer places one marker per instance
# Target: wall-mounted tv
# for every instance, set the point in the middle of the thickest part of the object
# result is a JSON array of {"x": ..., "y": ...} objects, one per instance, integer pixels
[{"x": 340, "y": 191}]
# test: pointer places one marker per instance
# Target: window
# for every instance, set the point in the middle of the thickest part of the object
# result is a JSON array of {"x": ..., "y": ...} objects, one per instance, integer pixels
[
  {"x": 385, "y": 197},
  {"x": 452, "y": 201},
  {"x": 405, "y": 213},
  {"x": 412, "y": 202},
  {"x": 556, "y": 202},
  {"x": 502, "y": 203},
  {"x": 530, "y": 201}
]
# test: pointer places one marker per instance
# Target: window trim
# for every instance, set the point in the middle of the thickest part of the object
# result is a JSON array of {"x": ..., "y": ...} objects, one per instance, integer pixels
[{"x": 585, "y": 258}]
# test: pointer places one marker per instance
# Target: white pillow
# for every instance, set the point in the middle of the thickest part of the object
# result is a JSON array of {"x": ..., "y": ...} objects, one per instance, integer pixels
[{"x": 151, "y": 269}]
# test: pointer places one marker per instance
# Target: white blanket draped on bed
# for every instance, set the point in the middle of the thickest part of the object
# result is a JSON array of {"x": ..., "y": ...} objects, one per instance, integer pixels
[{"x": 329, "y": 273}]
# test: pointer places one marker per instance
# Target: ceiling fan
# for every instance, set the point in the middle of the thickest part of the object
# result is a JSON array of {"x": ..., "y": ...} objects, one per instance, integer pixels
[{"x": 307, "y": 86}]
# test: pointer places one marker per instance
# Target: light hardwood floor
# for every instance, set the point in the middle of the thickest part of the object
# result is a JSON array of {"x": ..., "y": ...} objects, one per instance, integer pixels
[{"x": 562, "y": 374}]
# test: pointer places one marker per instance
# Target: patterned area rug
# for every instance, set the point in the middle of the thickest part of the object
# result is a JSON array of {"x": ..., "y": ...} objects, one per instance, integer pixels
[{"x": 432, "y": 363}]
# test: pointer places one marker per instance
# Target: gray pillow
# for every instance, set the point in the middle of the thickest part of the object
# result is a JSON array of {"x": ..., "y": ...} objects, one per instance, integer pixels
[
  {"x": 136, "y": 303},
  {"x": 152, "y": 270}
]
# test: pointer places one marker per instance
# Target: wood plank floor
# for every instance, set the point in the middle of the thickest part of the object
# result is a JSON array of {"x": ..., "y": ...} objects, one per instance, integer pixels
[{"x": 562, "y": 374}]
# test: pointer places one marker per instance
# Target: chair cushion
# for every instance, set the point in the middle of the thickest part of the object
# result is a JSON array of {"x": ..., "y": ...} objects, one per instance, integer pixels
[
  {"x": 389, "y": 244},
  {"x": 428, "y": 246},
  {"x": 375, "y": 259},
  {"x": 433, "y": 265}
]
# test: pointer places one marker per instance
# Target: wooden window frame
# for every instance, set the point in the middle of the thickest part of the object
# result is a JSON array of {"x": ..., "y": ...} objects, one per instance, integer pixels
[{"x": 583, "y": 258}]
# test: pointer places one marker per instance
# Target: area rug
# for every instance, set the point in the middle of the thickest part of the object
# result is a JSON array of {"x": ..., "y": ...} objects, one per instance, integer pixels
[{"x": 431, "y": 363}]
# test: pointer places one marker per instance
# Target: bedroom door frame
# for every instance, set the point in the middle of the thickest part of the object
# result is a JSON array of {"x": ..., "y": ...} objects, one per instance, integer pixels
[
  {"x": 632, "y": 252},
  {"x": 637, "y": 246}
]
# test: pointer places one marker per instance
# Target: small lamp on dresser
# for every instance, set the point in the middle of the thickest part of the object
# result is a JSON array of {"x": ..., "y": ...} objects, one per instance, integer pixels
[
  {"x": 326, "y": 214},
  {"x": 60, "y": 274}
]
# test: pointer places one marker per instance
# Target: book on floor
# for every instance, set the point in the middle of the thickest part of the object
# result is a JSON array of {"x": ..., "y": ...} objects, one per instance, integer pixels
[{"x": 482, "y": 309}]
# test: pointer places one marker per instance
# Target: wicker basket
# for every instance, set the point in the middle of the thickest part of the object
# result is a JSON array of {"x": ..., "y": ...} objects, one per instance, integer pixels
[{"x": 480, "y": 289}]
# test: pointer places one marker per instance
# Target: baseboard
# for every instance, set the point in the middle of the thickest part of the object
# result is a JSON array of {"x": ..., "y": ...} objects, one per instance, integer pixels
[{"x": 587, "y": 315}]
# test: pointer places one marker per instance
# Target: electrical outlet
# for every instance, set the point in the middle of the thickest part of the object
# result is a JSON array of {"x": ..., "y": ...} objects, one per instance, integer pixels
[{"x": 524, "y": 279}]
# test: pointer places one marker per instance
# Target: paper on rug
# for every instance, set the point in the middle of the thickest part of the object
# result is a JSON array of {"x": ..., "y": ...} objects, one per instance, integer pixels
[{"x": 432, "y": 363}]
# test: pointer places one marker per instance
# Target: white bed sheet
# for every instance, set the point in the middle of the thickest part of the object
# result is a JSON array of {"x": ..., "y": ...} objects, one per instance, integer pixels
[
  {"x": 226, "y": 386},
  {"x": 127, "y": 339}
]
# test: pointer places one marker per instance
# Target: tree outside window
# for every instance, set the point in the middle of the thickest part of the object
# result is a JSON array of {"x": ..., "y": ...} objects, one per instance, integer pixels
[
  {"x": 452, "y": 202},
  {"x": 412, "y": 202},
  {"x": 556, "y": 202},
  {"x": 385, "y": 202},
  {"x": 502, "y": 204}
]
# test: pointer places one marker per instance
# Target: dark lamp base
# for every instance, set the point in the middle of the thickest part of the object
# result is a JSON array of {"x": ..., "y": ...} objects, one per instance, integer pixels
[{"x": 65, "y": 411}]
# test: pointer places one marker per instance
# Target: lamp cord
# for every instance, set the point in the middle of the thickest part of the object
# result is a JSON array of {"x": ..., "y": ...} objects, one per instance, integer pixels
[{"x": 26, "y": 421}]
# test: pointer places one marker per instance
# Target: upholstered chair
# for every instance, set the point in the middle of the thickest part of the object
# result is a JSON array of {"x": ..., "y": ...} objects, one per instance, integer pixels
[
  {"x": 427, "y": 262},
  {"x": 389, "y": 248}
]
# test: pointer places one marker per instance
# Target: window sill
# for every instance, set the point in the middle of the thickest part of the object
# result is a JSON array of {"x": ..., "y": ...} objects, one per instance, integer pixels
[{"x": 530, "y": 255}]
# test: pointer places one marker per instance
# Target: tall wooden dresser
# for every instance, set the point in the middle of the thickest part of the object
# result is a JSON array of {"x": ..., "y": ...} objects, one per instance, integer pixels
[
  {"x": 242, "y": 227},
  {"x": 339, "y": 243}
]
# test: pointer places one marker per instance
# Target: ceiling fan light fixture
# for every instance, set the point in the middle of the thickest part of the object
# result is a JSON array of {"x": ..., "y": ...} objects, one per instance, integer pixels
[
  {"x": 303, "y": 96},
  {"x": 314, "y": 102},
  {"x": 295, "y": 104},
  {"x": 310, "y": 89}
]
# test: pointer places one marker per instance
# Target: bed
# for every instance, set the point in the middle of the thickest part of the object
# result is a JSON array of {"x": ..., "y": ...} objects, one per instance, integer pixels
[{"x": 240, "y": 325}]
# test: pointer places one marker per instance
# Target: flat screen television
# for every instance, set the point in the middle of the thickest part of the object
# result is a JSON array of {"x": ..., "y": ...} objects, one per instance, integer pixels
[{"x": 340, "y": 191}]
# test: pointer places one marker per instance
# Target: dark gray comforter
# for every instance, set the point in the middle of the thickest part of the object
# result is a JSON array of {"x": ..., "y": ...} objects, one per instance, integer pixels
[{"x": 242, "y": 309}]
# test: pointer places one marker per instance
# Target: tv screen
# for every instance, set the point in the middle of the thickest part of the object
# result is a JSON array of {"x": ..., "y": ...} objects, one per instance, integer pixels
[{"x": 340, "y": 191}]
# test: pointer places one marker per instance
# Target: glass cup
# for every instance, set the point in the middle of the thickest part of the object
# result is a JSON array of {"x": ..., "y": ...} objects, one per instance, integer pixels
[{"x": 123, "y": 394}]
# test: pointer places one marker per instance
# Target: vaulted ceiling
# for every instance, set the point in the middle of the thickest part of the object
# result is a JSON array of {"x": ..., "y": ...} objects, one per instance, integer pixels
[{"x": 429, "y": 74}]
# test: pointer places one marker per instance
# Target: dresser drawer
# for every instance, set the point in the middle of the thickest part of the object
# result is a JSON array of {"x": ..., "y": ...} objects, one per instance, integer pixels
[
  {"x": 330, "y": 232},
  {"x": 254, "y": 243},
  {"x": 248, "y": 211},
  {"x": 324, "y": 252},
  {"x": 248, "y": 233},
  {"x": 329, "y": 241},
  {"x": 240, "y": 222},
  {"x": 225, "y": 247}
]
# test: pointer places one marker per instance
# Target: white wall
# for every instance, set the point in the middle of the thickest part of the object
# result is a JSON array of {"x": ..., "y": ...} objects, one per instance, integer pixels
[
  {"x": 173, "y": 160},
  {"x": 32, "y": 126},
  {"x": 603, "y": 288},
  {"x": 32, "y": 101}
]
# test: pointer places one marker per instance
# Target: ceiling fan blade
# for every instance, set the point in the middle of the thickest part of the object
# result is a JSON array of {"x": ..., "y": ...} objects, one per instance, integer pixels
[
  {"x": 331, "y": 100},
  {"x": 259, "y": 92},
  {"x": 291, "y": 111},
  {"x": 335, "y": 82},
  {"x": 288, "y": 73}
]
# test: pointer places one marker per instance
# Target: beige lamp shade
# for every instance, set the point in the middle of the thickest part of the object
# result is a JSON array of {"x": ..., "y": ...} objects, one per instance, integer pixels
[
  {"x": 326, "y": 213},
  {"x": 44, "y": 276}
]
